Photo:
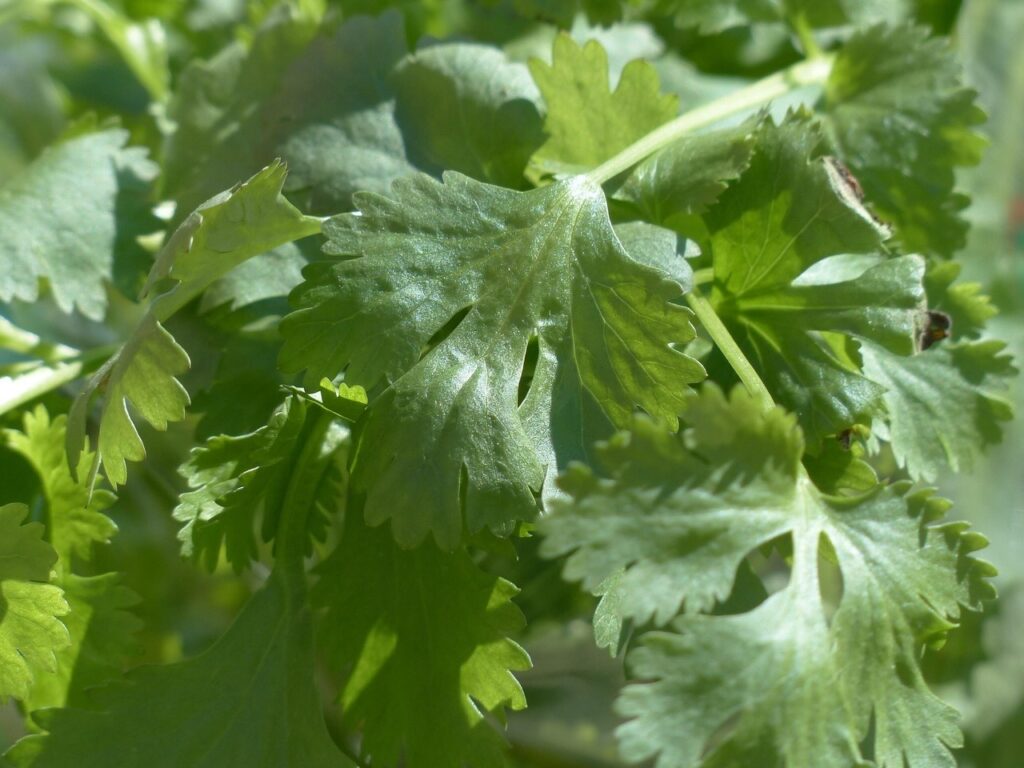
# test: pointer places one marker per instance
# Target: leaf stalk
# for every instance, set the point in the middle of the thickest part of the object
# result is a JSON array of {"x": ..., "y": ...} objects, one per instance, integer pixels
[
  {"x": 813, "y": 71},
  {"x": 719, "y": 334}
]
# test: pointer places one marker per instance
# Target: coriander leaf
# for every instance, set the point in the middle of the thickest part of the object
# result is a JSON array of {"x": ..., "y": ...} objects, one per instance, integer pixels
[
  {"x": 945, "y": 405},
  {"x": 786, "y": 214},
  {"x": 899, "y": 115},
  {"x": 76, "y": 521},
  {"x": 563, "y": 12},
  {"x": 101, "y": 628},
  {"x": 426, "y": 643},
  {"x": 448, "y": 440},
  {"x": 587, "y": 122},
  {"x": 30, "y": 632},
  {"x": 688, "y": 175},
  {"x": 235, "y": 480},
  {"x": 280, "y": 97},
  {"x": 497, "y": 127},
  {"x": 683, "y": 549},
  {"x": 248, "y": 700},
  {"x": 966, "y": 305},
  {"x": 71, "y": 218},
  {"x": 682, "y": 512},
  {"x": 270, "y": 275},
  {"x": 249, "y": 219}
]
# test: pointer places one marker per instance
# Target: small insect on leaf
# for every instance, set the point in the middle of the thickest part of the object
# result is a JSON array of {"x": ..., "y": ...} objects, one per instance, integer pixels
[{"x": 937, "y": 326}]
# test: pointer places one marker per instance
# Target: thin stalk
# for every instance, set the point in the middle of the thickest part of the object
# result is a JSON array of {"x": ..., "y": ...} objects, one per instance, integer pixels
[
  {"x": 703, "y": 276},
  {"x": 802, "y": 29},
  {"x": 811, "y": 72},
  {"x": 729, "y": 348},
  {"x": 26, "y": 387}
]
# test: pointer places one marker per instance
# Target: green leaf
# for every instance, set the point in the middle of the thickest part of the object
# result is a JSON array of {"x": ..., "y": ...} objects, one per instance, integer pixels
[
  {"x": 236, "y": 480},
  {"x": 248, "y": 700},
  {"x": 586, "y": 121},
  {"x": 688, "y": 175},
  {"x": 425, "y": 642},
  {"x": 280, "y": 97},
  {"x": 30, "y": 632},
  {"x": 249, "y": 219},
  {"x": 901, "y": 118},
  {"x": 102, "y": 633},
  {"x": 76, "y": 521},
  {"x": 945, "y": 405},
  {"x": 448, "y": 440},
  {"x": 791, "y": 325},
  {"x": 967, "y": 307},
  {"x": 789, "y": 677},
  {"x": 71, "y": 218}
]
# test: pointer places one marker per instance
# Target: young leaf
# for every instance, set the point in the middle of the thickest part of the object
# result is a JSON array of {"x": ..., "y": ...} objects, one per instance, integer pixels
[
  {"x": 426, "y": 642},
  {"x": 238, "y": 479},
  {"x": 901, "y": 118},
  {"x": 944, "y": 405},
  {"x": 71, "y": 218},
  {"x": 76, "y": 522},
  {"x": 448, "y": 440},
  {"x": 587, "y": 122},
  {"x": 688, "y": 175},
  {"x": 249, "y": 219},
  {"x": 248, "y": 700},
  {"x": 681, "y": 513},
  {"x": 100, "y": 628},
  {"x": 787, "y": 213},
  {"x": 30, "y": 632}
]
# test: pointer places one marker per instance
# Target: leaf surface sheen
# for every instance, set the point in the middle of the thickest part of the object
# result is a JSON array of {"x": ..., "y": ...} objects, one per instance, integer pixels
[
  {"x": 680, "y": 513},
  {"x": 71, "y": 217},
  {"x": 518, "y": 264}
]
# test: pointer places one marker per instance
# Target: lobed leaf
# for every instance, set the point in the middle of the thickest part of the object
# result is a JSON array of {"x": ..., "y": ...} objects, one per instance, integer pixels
[
  {"x": 586, "y": 121},
  {"x": 249, "y": 219},
  {"x": 900, "y": 116},
  {"x": 436, "y": 295},
  {"x": 31, "y": 634},
  {"x": 71, "y": 218},
  {"x": 787, "y": 682},
  {"x": 787, "y": 214}
]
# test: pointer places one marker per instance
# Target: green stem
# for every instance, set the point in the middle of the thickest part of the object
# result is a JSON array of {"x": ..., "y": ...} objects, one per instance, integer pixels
[
  {"x": 802, "y": 29},
  {"x": 730, "y": 349},
  {"x": 811, "y": 72},
  {"x": 27, "y": 386},
  {"x": 703, "y": 276}
]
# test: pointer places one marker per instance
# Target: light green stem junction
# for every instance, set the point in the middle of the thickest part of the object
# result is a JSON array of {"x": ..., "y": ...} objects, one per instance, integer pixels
[
  {"x": 813, "y": 71},
  {"x": 719, "y": 334}
]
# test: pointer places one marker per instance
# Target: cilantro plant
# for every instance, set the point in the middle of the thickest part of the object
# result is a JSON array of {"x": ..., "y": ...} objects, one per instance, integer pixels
[{"x": 370, "y": 310}]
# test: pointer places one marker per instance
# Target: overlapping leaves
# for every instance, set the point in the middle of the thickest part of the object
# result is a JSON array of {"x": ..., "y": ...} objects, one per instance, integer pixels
[
  {"x": 787, "y": 213},
  {"x": 901, "y": 118},
  {"x": 98, "y": 622},
  {"x": 472, "y": 272},
  {"x": 250, "y": 699},
  {"x": 426, "y": 649},
  {"x": 679, "y": 514},
  {"x": 240, "y": 484},
  {"x": 224, "y": 232}
]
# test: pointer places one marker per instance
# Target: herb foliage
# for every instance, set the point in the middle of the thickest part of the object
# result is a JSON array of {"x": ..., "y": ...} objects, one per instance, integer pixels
[{"x": 397, "y": 305}]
